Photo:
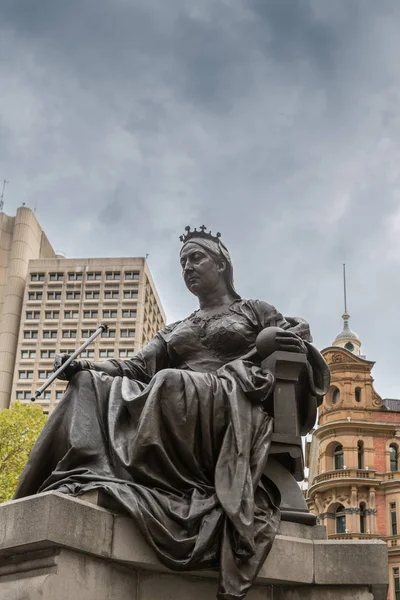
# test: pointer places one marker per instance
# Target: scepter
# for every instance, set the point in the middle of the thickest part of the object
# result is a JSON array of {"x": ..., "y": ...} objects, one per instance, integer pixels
[{"x": 69, "y": 360}]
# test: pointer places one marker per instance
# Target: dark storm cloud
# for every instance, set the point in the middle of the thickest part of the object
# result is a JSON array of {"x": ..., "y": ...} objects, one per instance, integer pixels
[{"x": 276, "y": 122}]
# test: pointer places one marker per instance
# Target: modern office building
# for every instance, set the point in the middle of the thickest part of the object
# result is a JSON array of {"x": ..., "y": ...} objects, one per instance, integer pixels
[
  {"x": 353, "y": 455},
  {"x": 56, "y": 303}
]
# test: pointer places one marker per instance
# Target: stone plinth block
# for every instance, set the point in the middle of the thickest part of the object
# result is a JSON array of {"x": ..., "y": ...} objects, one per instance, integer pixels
[{"x": 53, "y": 546}]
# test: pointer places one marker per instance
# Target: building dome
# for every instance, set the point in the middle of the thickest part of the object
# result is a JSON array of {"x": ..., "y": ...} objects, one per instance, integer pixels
[{"x": 347, "y": 338}]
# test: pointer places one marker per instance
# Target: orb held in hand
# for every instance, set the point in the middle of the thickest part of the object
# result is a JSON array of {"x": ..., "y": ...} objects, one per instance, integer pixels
[{"x": 266, "y": 343}]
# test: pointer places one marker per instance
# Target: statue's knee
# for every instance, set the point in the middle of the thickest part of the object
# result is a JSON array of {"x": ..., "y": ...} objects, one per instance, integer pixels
[{"x": 169, "y": 377}]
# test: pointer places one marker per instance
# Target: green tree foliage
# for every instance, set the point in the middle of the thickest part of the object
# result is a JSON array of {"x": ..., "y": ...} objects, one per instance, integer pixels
[{"x": 20, "y": 426}]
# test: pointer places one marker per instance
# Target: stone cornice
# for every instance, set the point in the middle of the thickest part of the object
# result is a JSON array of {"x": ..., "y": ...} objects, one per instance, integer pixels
[{"x": 331, "y": 429}]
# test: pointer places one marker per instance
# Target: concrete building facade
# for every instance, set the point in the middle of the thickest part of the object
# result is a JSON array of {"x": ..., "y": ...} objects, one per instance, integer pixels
[
  {"x": 21, "y": 240},
  {"x": 51, "y": 304},
  {"x": 353, "y": 456}
]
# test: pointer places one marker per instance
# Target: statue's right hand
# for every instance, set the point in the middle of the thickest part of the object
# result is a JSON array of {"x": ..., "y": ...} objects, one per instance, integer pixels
[{"x": 70, "y": 371}]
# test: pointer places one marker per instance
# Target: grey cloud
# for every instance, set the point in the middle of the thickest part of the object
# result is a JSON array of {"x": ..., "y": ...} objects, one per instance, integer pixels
[{"x": 274, "y": 122}]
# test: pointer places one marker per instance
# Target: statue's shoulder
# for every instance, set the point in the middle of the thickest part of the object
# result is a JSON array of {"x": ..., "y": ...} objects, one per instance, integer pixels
[
  {"x": 259, "y": 307},
  {"x": 165, "y": 331}
]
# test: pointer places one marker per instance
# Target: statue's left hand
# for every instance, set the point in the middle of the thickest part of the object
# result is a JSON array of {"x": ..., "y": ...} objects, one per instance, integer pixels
[{"x": 288, "y": 341}]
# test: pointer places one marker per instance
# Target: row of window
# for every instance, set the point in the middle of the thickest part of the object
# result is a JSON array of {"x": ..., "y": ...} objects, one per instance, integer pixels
[
  {"x": 90, "y": 276},
  {"x": 46, "y": 395},
  {"x": 52, "y": 334},
  {"x": 45, "y": 374},
  {"x": 89, "y": 295},
  {"x": 87, "y": 314},
  {"x": 103, "y": 353},
  {"x": 338, "y": 456}
]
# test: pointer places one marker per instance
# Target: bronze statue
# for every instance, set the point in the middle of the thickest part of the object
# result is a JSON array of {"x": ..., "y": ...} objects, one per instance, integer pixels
[{"x": 179, "y": 435}]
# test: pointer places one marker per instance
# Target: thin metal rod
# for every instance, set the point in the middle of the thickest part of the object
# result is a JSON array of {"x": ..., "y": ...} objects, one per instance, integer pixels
[
  {"x": 77, "y": 352},
  {"x": 344, "y": 288}
]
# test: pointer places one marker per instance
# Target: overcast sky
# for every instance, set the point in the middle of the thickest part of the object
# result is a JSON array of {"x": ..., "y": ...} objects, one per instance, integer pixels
[{"x": 276, "y": 122}]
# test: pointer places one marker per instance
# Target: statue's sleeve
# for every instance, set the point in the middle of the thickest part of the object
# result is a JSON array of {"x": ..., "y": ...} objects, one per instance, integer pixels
[{"x": 143, "y": 366}]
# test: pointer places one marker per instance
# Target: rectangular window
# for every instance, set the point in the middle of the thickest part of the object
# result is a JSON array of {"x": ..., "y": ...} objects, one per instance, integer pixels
[
  {"x": 126, "y": 352},
  {"x": 25, "y": 374},
  {"x": 31, "y": 334},
  {"x": 69, "y": 333},
  {"x": 23, "y": 395},
  {"x": 94, "y": 276},
  {"x": 90, "y": 314},
  {"x": 70, "y": 351},
  {"x": 110, "y": 314},
  {"x": 393, "y": 518},
  {"x": 37, "y": 276},
  {"x": 71, "y": 314},
  {"x": 132, "y": 275},
  {"x": 50, "y": 334},
  {"x": 111, "y": 294},
  {"x": 52, "y": 314},
  {"x": 47, "y": 395},
  {"x": 113, "y": 275},
  {"x": 59, "y": 394},
  {"x": 106, "y": 353},
  {"x": 110, "y": 333},
  {"x": 78, "y": 276},
  {"x": 396, "y": 583},
  {"x": 129, "y": 314},
  {"x": 35, "y": 296},
  {"x": 47, "y": 354},
  {"x": 44, "y": 374},
  {"x": 28, "y": 354},
  {"x": 86, "y": 333},
  {"x": 73, "y": 295},
  {"x": 127, "y": 333},
  {"x": 33, "y": 314},
  {"x": 130, "y": 293},
  {"x": 87, "y": 354},
  {"x": 92, "y": 295},
  {"x": 53, "y": 295},
  {"x": 56, "y": 276}
]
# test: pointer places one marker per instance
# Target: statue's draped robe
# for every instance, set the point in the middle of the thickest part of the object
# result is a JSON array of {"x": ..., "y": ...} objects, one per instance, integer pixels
[{"x": 179, "y": 438}]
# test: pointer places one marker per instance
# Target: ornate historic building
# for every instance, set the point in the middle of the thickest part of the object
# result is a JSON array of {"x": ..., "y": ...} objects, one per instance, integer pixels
[{"x": 353, "y": 455}]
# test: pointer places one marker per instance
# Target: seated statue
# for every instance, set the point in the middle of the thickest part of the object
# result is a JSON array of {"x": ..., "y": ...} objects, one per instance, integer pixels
[{"x": 179, "y": 435}]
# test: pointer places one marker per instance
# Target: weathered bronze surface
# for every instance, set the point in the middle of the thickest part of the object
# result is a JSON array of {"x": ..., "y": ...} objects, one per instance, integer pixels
[{"x": 180, "y": 435}]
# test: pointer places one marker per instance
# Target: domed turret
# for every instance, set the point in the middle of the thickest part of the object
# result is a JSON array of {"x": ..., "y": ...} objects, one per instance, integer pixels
[{"x": 347, "y": 338}]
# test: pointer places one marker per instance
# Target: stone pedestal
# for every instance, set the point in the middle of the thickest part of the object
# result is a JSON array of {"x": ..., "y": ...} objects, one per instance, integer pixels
[{"x": 55, "y": 547}]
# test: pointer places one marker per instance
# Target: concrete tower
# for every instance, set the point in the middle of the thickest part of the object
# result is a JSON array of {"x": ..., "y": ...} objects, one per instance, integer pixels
[{"x": 21, "y": 240}]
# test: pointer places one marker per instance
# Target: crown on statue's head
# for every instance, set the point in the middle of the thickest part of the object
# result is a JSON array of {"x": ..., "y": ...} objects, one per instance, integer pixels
[{"x": 202, "y": 233}]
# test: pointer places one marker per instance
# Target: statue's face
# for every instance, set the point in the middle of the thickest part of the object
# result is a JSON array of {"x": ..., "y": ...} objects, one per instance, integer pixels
[{"x": 201, "y": 272}]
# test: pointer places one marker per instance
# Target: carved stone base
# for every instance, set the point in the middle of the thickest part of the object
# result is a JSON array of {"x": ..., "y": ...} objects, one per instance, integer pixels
[{"x": 53, "y": 547}]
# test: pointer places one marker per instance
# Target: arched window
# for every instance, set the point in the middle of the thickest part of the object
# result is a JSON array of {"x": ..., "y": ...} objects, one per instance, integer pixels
[
  {"x": 357, "y": 394},
  {"x": 360, "y": 454},
  {"x": 394, "y": 457},
  {"x": 340, "y": 518},
  {"x": 362, "y": 517},
  {"x": 335, "y": 395},
  {"x": 338, "y": 457}
]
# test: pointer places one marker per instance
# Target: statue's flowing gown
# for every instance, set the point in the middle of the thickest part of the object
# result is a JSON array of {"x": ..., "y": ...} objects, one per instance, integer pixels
[{"x": 179, "y": 438}]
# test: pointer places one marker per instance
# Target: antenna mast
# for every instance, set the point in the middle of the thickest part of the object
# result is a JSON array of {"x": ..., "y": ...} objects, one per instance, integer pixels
[
  {"x": 2, "y": 195},
  {"x": 344, "y": 289}
]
